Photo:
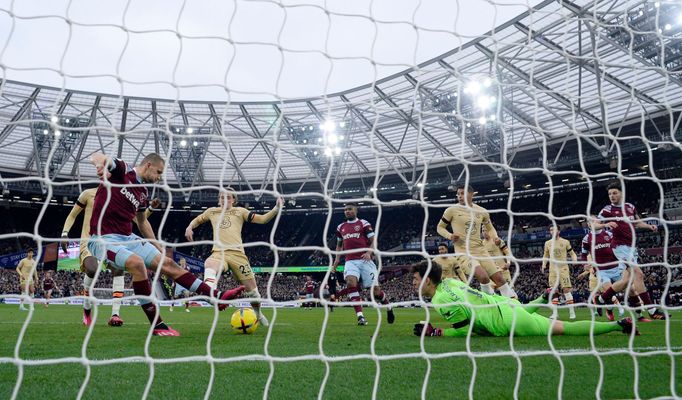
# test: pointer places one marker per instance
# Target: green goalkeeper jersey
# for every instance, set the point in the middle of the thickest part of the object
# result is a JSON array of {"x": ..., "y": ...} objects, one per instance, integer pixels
[{"x": 483, "y": 311}]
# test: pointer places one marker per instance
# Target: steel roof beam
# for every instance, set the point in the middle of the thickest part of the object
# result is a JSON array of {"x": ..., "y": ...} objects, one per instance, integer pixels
[
  {"x": 360, "y": 116},
  {"x": 580, "y": 12},
  {"x": 412, "y": 122},
  {"x": 91, "y": 123},
  {"x": 537, "y": 84},
  {"x": 19, "y": 115},
  {"x": 287, "y": 127},
  {"x": 227, "y": 146},
  {"x": 260, "y": 137},
  {"x": 457, "y": 129},
  {"x": 352, "y": 154},
  {"x": 588, "y": 65},
  {"x": 124, "y": 117}
]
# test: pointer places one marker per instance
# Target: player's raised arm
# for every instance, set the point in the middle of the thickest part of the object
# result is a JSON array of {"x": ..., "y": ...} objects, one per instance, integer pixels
[
  {"x": 101, "y": 163},
  {"x": 488, "y": 226},
  {"x": 267, "y": 217},
  {"x": 200, "y": 219},
  {"x": 71, "y": 219},
  {"x": 154, "y": 204},
  {"x": 640, "y": 223},
  {"x": 545, "y": 257},
  {"x": 442, "y": 228},
  {"x": 574, "y": 256}
]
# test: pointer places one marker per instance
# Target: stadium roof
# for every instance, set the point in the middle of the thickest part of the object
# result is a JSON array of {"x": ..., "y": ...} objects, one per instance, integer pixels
[{"x": 564, "y": 71}]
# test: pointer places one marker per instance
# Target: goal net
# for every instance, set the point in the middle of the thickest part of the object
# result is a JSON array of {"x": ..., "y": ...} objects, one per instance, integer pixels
[{"x": 526, "y": 151}]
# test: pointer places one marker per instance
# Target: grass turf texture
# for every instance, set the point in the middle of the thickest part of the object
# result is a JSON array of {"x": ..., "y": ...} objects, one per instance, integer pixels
[{"x": 56, "y": 332}]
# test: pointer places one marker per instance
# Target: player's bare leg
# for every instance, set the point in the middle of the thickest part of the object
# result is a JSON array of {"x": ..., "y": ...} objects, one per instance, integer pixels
[
  {"x": 503, "y": 286},
  {"x": 24, "y": 294},
  {"x": 251, "y": 292},
  {"x": 354, "y": 295},
  {"x": 381, "y": 297},
  {"x": 118, "y": 286},
  {"x": 482, "y": 278},
  {"x": 48, "y": 297},
  {"x": 186, "y": 301}
]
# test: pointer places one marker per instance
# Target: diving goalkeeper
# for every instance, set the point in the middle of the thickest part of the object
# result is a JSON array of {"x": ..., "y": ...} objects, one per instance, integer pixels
[{"x": 491, "y": 315}]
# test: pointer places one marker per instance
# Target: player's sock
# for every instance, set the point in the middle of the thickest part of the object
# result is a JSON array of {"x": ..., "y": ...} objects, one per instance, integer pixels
[
  {"x": 354, "y": 295},
  {"x": 487, "y": 288},
  {"x": 534, "y": 305},
  {"x": 569, "y": 301},
  {"x": 507, "y": 291},
  {"x": 383, "y": 299},
  {"x": 582, "y": 328},
  {"x": 87, "y": 285},
  {"x": 210, "y": 278},
  {"x": 607, "y": 296},
  {"x": 615, "y": 301},
  {"x": 634, "y": 302},
  {"x": 144, "y": 288},
  {"x": 119, "y": 284},
  {"x": 648, "y": 303},
  {"x": 194, "y": 284}
]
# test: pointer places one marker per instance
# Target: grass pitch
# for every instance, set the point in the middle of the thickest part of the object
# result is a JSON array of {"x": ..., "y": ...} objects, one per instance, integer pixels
[{"x": 489, "y": 370}]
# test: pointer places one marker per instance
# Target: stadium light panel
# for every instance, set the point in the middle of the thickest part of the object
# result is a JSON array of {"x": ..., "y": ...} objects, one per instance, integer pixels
[
  {"x": 54, "y": 119},
  {"x": 190, "y": 130},
  {"x": 57, "y": 133},
  {"x": 45, "y": 131},
  {"x": 183, "y": 143}
]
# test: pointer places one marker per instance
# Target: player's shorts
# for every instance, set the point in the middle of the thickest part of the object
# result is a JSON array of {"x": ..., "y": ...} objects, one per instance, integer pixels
[
  {"x": 47, "y": 287},
  {"x": 481, "y": 258},
  {"x": 84, "y": 253},
  {"x": 179, "y": 291},
  {"x": 236, "y": 261},
  {"x": 560, "y": 276},
  {"x": 524, "y": 323},
  {"x": 309, "y": 296},
  {"x": 23, "y": 281},
  {"x": 117, "y": 249},
  {"x": 626, "y": 254},
  {"x": 365, "y": 271},
  {"x": 610, "y": 275},
  {"x": 594, "y": 283}
]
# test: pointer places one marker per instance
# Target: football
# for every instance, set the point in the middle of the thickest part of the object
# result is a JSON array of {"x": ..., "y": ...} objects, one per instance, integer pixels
[{"x": 244, "y": 321}]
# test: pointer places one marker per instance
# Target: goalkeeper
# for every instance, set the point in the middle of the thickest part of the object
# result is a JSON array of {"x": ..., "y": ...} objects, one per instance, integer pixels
[{"x": 491, "y": 315}]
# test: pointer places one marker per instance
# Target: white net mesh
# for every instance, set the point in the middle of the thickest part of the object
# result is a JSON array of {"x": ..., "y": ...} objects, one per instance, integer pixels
[{"x": 537, "y": 105}]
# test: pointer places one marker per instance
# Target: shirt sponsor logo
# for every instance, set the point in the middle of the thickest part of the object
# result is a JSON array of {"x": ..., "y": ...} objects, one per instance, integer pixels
[
  {"x": 351, "y": 236},
  {"x": 131, "y": 197}
]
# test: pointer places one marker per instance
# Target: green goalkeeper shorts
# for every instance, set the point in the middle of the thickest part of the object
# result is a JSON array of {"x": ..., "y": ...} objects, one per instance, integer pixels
[{"x": 525, "y": 323}]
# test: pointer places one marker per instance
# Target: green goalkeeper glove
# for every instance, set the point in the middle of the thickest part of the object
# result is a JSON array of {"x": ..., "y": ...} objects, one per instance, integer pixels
[{"x": 427, "y": 328}]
